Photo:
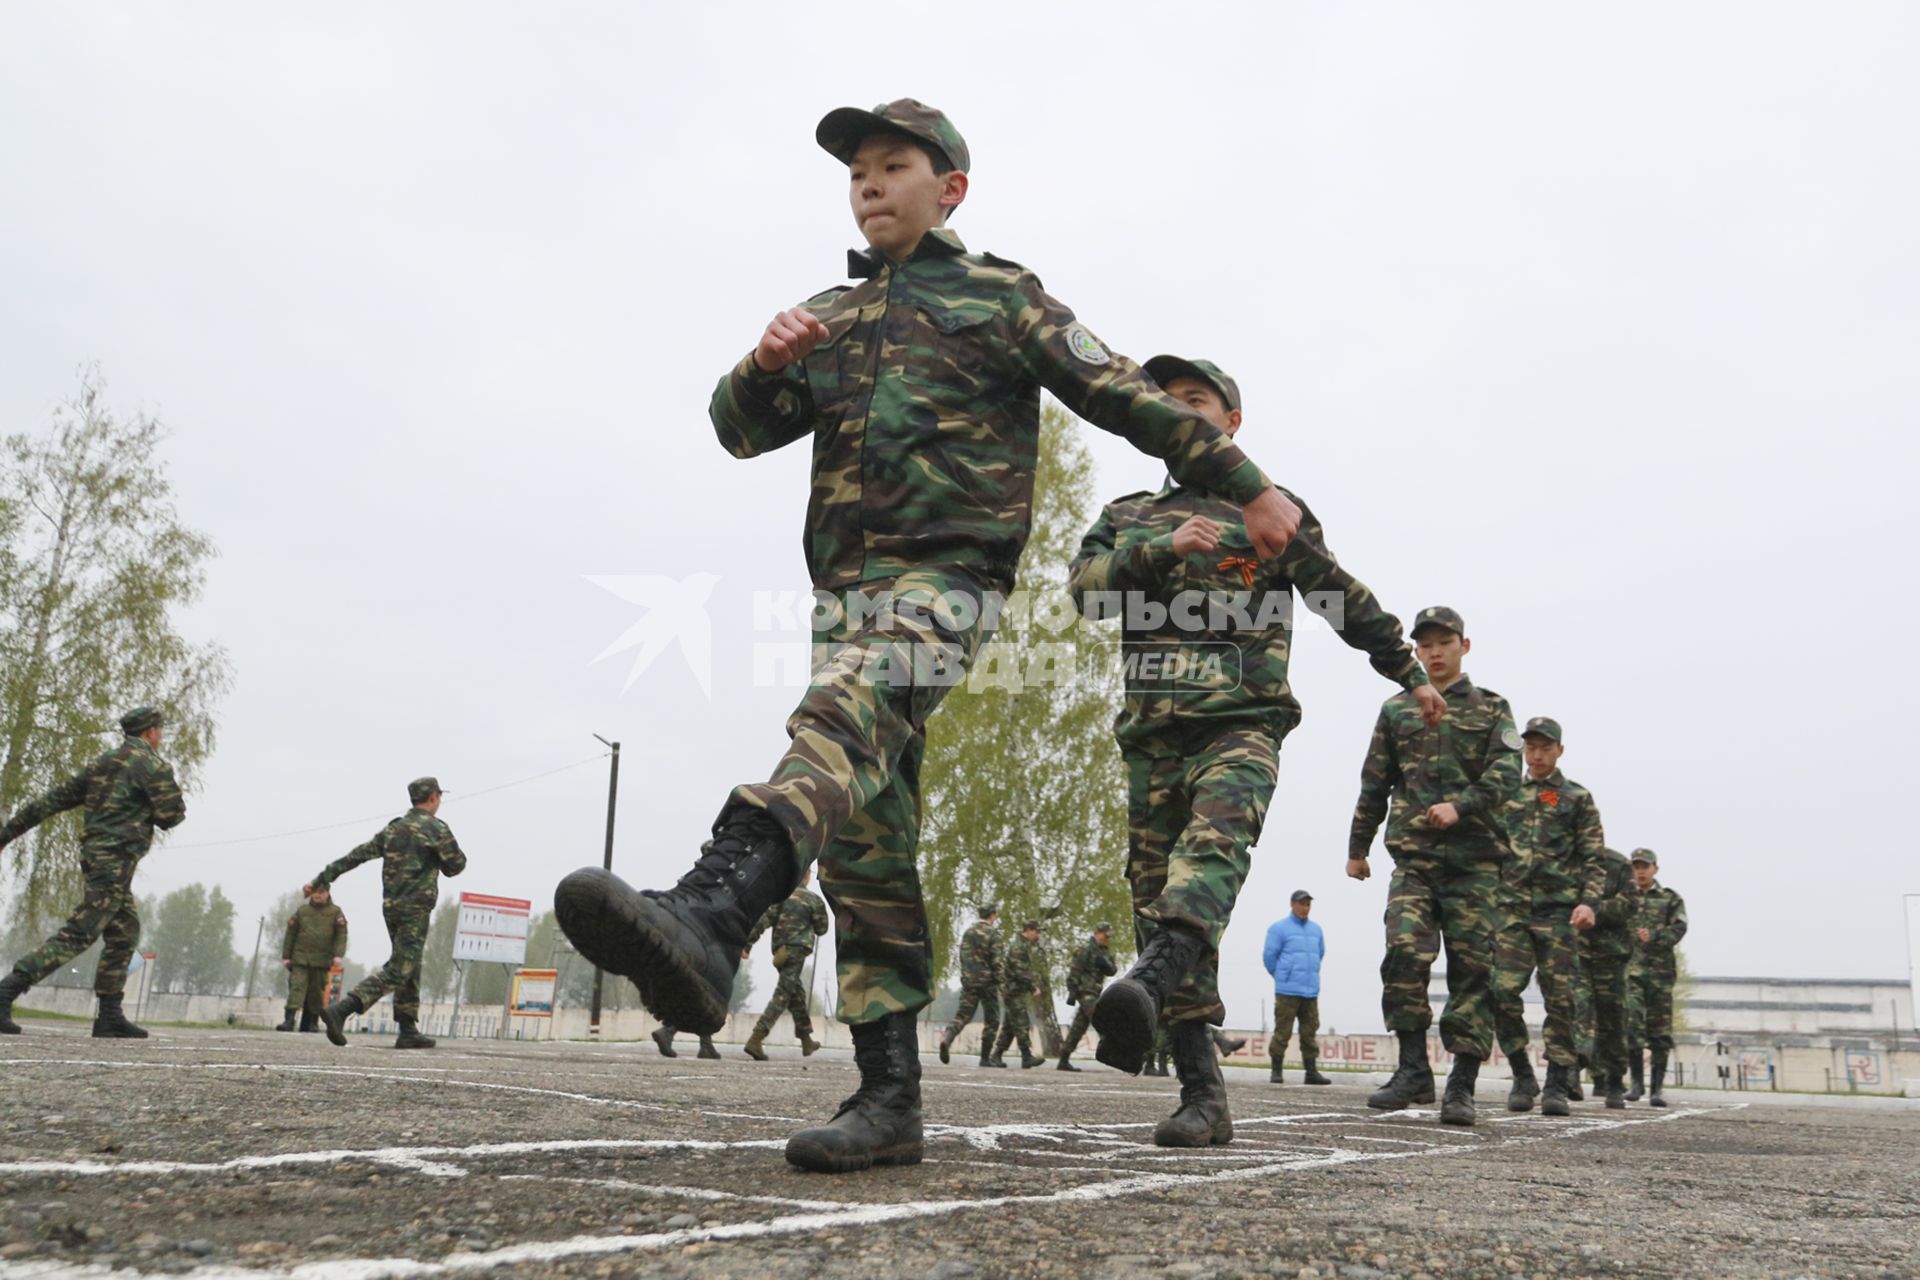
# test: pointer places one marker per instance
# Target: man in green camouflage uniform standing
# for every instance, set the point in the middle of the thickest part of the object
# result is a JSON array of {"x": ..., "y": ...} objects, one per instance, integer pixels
[
  {"x": 1091, "y": 966},
  {"x": 1447, "y": 786},
  {"x": 1206, "y": 638},
  {"x": 1016, "y": 990},
  {"x": 1609, "y": 946},
  {"x": 316, "y": 941},
  {"x": 919, "y": 389},
  {"x": 1659, "y": 923},
  {"x": 127, "y": 794},
  {"x": 795, "y": 921},
  {"x": 415, "y": 850},
  {"x": 979, "y": 986},
  {"x": 1552, "y": 883}
]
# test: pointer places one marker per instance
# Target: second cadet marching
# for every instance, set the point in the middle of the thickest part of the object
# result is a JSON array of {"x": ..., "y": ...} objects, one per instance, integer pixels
[
  {"x": 1017, "y": 962},
  {"x": 1659, "y": 923},
  {"x": 1091, "y": 966},
  {"x": 979, "y": 985},
  {"x": 415, "y": 850},
  {"x": 795, "y": 921},
  {"x": 316, "y": 941}
]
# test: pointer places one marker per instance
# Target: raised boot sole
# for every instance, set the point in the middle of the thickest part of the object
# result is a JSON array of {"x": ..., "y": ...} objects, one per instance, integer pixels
[
  {"x": 1125, "y": 1017},
  {"x": 619, "y": 929}
]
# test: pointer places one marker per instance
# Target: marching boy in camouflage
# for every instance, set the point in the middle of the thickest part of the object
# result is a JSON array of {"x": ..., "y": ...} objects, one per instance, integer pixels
[
  {"x": 315, "y": 942},
  {"x": 1659, "y": 923},
  {"x": 979, "y": 986},
  {"x": 1092, "y": 965},
  {"x": 796, "y": 921},
  {"x": 919, "y": 390},
  {"x": 1448, "y": 785},
  {"x": 127, "y": 793},
  {"x": 1017, "y": 988},
  {"x": 1609, "y": 946},
  {"x": 1200, "y": 742},
  {"x": 1553, "y": 882},
  {"x": 415, "y": 850}
]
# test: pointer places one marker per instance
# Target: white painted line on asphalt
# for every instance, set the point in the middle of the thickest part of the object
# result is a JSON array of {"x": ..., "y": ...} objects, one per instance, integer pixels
[{"x": 687, "y": 1193}]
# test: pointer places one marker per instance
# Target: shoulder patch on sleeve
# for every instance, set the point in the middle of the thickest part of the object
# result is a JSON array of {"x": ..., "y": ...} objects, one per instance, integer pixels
[
  {"x": 1511, "y": 740},
  {"x": 1085, "y": 346}
]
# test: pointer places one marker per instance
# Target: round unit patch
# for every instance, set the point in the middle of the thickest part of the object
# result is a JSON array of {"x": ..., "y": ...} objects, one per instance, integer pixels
[
  {"x": 1511, "y": 740},
  {"x": 1085, "y": 346}
]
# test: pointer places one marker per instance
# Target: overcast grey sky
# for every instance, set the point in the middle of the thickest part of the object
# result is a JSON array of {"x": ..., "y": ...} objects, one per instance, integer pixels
[{"x": 1597, "y": 323}]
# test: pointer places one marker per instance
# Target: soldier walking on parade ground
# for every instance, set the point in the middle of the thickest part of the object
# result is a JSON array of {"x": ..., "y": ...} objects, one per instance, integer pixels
[
  {"x": 1447, "y": 786},
  {"x": 795, "y": 921},
  {"x": 1199, "y": 738},
  {"x": 126, "y": 794},
  {"x": 1608, "y": 947},
  {"x": 979, "y": 986},
  {"x": 415, "y": 850},
  {"x": 1016, "y": 990},
  {"x": 1551, "y": 886},
  {"x": 316, "y": 941},
  {"x": 1659, "y": 923},
  {"x": 1091, "y": 966},
  {"x": 1294, "y": 949},
  {"x": 663, "y": 1037},
  {"x": 932, "y": 339}
]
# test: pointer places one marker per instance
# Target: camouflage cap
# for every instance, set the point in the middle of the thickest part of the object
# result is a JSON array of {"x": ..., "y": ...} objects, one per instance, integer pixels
[
  {"x": 1164, "y": 369},
  {"x": 1543, "y": 726},
  {"x": 1647, "y": 856},
  {"x": 1103, "y": 927},
  {"x": 989, "y": 909},
  {"x": 1439, "y": 615},
  {"x": 141, "y": 719},
  {"x": 421, "y": 790},
  {"x": 842, "y": 130},
  {"x": 1031, "y": 924},
  {"x": 1301, "y": 895}
]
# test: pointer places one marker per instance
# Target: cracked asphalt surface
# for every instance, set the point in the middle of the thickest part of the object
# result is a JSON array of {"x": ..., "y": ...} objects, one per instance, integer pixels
[{"x": 252, "y": 1154}]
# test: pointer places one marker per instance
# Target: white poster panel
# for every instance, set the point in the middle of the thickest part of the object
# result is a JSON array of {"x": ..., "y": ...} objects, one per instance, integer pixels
[{"x": 492, "y": 929}]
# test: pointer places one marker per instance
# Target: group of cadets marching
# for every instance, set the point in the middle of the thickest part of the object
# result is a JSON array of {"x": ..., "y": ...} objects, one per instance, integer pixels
[{"x": 919, "y": 389}]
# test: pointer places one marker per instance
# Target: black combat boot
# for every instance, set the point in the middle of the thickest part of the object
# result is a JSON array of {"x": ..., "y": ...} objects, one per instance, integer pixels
[
  {"x": 1228, "y": 1047},
  {"x": 681, "y": 947},
  {"x": 706, "y": 1048},
  {"x": 12, "y": 987},
  {"x": 1275, "y": 1075},
  {"x": 1066, "y": 1061},
  {"x": 663, "y": 1040},
  {"x": 946, "y": 1047},
  {"x": 1456, "y": 1104},
  {"x": 1615, "y": 1090},
  {"x": 1128, "y": 1011},
  {"x": 286, "y": 1023},
  {"x": 1202, "y": 1118},
  {"x": 1636, "y": 1066},
  {"x": 1574, "y": 1092},
  {"x": 1526, "y": 1085},
  {"x": 1412, "y": 1080},
  {"x": 1313, "y": 1075},
  {"x": 309, "y": 1022},
  {"x": 986, "y": 1054},
  {"x": 1655, "y": 1098},
  {"x": 111, "y": 1022},
  {"x": 1553, "y": 1098},
  {"x": 336, "y": 1014},
  {"x": 410, "y": 1038},
  {"x": 880, "y": 1123}
]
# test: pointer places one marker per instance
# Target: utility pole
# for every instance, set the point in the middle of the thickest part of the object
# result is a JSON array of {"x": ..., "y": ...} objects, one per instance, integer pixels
[
  {"x": 613, "y": 796},
  {"x": 254, "y": 968}
]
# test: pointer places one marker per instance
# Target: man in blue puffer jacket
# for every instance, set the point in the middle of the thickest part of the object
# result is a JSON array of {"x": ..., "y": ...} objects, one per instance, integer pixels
[{"x": 1295, "y": 947}]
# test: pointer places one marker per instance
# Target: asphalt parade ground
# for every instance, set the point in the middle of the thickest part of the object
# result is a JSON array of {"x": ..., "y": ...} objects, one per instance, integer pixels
[{"x": 231, "y": 1153}]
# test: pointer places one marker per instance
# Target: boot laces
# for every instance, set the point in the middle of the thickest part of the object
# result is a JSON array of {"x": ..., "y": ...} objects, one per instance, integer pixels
[{"x": 720, "y": 855}]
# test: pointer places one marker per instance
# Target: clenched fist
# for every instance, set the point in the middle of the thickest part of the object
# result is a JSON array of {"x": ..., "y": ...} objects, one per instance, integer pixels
[{"x": 790, "y": 336}]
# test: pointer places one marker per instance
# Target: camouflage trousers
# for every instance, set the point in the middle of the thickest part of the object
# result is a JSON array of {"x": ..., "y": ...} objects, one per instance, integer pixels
[
  {"x": 847, "y": 790},
  {"x": 1607, "y": 976},
  {"x": 984, "y": 996},
  {"x": 407, "y": 929},
  {"x": 105, "y": 914},
  {"x": 307, "y": 986},
  {"x": 1649, "y": 1010},
  {"x": 1016, "y": 1024},
  {"x": 1427, "y": 905},
  {"x": 790, "y": 997},
  {"x": 1288, "y": 1010},
  {"x": 1083, "y": 1002},
  {"x": 1549, "y": 946},
  {"x": 1193, "y": 818}
]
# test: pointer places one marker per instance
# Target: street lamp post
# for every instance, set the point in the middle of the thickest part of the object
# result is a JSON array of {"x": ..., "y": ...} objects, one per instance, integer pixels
[{"x": 613, "y": 796}]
